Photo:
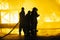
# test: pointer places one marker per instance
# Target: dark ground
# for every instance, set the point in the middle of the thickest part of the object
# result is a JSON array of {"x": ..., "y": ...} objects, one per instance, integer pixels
[{"x": 16, "y": 37}]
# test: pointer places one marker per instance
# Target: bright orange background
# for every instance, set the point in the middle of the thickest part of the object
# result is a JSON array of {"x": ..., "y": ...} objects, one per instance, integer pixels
[{"x": 49, "y": 11}]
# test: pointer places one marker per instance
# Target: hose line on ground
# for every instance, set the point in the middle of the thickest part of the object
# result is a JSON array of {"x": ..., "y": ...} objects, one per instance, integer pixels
[{"x": 10, "y": 31}]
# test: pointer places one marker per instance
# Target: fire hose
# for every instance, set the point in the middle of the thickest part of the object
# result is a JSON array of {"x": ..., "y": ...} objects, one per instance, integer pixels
[{"x": 10, "y": 31}]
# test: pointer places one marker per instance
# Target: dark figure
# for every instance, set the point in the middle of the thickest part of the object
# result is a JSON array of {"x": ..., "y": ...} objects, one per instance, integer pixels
[
  {"x": 27, "y": 36},
  {"x": 21, "y": 20},
  {"x": 28, "y": 21},
  {"x": 34, "y": 22}
]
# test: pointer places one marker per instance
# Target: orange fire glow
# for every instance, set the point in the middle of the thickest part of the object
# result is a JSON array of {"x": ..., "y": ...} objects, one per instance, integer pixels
[{"x": 49, "y": 11}]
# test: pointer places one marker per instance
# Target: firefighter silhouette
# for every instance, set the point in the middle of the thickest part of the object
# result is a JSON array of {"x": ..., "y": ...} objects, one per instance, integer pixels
[
  {"x": 27, "y": 30},
  {"x": 29, "y": 23},
  {"x": 21, "y": 20},
  {"x": 34, "y": 22}
]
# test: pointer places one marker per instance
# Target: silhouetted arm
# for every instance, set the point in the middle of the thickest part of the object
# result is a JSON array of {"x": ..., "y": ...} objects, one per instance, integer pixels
[{"x": 37, "y": 15}]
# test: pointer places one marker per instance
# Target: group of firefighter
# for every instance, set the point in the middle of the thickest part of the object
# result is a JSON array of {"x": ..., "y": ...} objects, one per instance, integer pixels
[{"x": 28, "y": 23}]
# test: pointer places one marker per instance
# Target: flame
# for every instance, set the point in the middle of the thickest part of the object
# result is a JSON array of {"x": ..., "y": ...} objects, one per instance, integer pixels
[{"x": 48, "y": 10}]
